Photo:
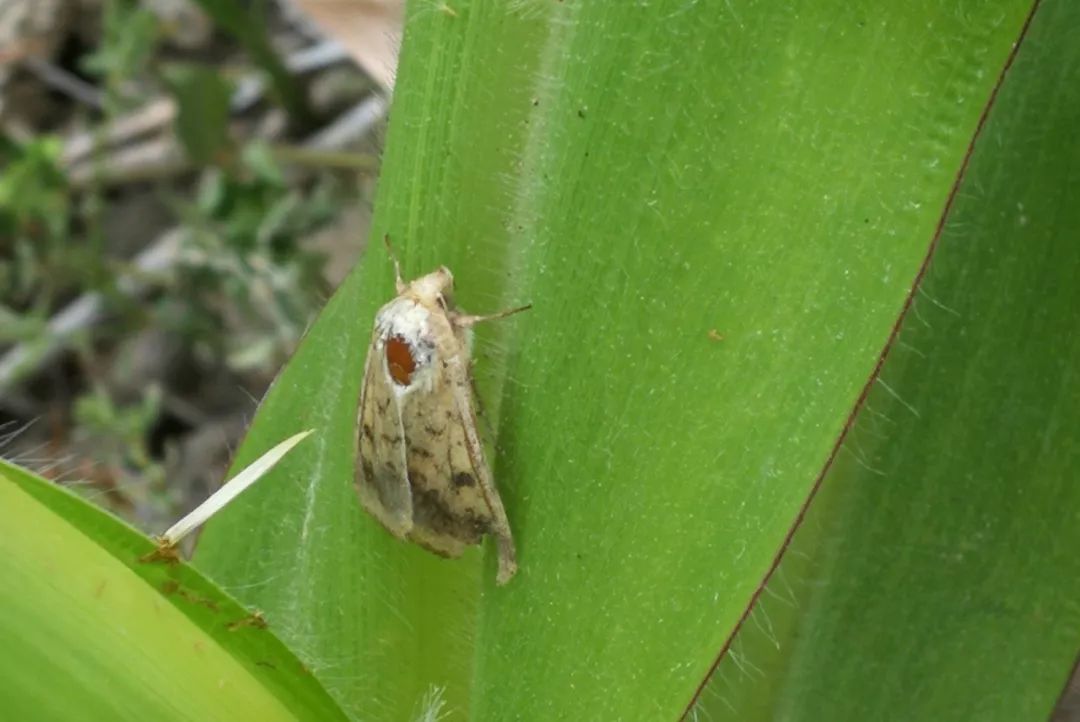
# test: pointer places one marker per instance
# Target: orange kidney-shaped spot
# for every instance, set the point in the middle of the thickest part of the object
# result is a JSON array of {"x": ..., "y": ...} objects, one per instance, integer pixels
[{"x": 399, "y": 360}]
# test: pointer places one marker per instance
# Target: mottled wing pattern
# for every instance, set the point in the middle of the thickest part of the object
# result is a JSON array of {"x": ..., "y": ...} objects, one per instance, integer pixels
[
  {"x": 449, "y": 506},
  {"x": 381, "y": 479},
  {"x": 499, "y": 525}
]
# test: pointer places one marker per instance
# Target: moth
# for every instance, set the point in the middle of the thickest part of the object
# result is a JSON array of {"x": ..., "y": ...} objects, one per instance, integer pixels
[{"x": 420, "y": 465}]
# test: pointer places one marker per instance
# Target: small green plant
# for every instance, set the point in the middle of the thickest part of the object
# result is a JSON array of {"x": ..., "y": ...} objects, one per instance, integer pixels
[
  {"x": 130, "y": 35},
  {"x": 202, "y": 121},
  {"x": 119, "y": 435},
  {"x": 245, "y": 253},
  {"x": 35, "y": 209}
]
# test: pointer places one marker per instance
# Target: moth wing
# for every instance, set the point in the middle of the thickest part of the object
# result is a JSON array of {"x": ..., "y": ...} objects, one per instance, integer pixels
[
  {"x": 448, "y": 516},
  {"x": 497, "y": 523},
  {"x": 382, "y": 481},
  {"x": 450, "y": 509}
]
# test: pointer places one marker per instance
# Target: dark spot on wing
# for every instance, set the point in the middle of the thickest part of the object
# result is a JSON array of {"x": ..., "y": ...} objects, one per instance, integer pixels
[
  {"x": 368, "y": 433},
  {"x": 463, "y": 478},
  {"x": 417, "y": 478},
  {"x": 400, "y": 361},
  {"x": 432, "y": 512},
  {"x": 368, "y": 470},
  {"x": 420, "y": 451},
  {"x": 479, "y": 525}
]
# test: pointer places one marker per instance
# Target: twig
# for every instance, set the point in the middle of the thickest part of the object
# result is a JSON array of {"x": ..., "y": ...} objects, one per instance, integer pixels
[
  {"x": 351, "y": 125},
  {"x": 145, "y": 120},
  {"x": 321, "y": 55},
  {"x": 150, "y": 160},
  {"x": 157, "y": 158},
  {"x": 318, "y": 158},
  {"x": 65, "y": 82}
]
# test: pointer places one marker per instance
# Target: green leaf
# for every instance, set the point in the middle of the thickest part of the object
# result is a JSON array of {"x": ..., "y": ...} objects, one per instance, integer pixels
[
  {"x": 202, "y": 118},
  {"x": 939, "y": 577},
  {"x": 651, "y": 177},
  {"x": 91, "y": 632}
]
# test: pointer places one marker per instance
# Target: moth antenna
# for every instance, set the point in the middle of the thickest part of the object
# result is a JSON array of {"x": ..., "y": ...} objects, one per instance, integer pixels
[
  {"x": 466, "y": 321},
  {"x": 399, "y": 284}
]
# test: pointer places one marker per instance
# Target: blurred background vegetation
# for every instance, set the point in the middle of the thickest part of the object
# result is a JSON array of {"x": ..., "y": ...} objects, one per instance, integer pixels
[{"x": 180, "y": 191}]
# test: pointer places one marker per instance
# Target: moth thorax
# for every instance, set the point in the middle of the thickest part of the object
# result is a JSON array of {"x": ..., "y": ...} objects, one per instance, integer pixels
[{"x": 399, "y": 360}]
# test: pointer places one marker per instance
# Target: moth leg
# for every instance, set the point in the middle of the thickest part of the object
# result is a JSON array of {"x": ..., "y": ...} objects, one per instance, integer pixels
[
  {"x": 399, "y": 284},
  {"x": 464, "y": 320}
]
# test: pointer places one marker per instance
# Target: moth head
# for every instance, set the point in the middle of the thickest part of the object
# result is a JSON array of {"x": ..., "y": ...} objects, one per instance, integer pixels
[{"x": 435, "y": 288}]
